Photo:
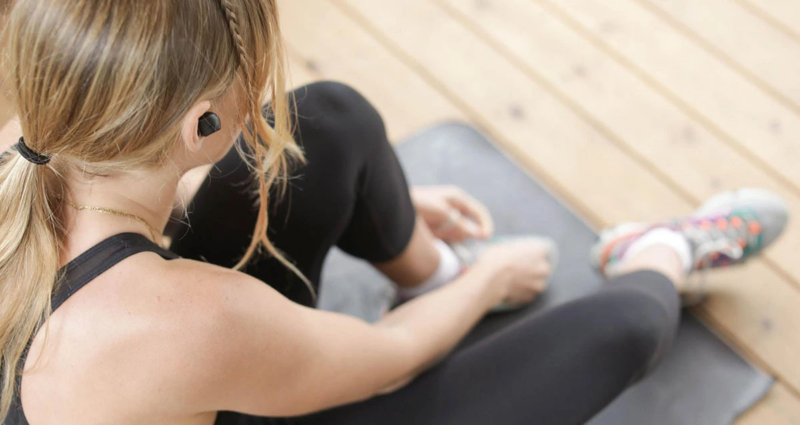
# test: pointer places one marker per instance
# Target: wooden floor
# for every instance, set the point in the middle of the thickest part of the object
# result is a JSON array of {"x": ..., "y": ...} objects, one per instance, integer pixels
[{"x": 629, "y": 109}]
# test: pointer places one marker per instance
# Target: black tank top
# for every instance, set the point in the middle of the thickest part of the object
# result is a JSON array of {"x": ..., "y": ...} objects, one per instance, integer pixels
[{"x": 86, "y": 268}]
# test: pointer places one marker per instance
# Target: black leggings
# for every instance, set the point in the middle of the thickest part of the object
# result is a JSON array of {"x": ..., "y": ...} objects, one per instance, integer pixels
[{"x": 560, "y": 366}]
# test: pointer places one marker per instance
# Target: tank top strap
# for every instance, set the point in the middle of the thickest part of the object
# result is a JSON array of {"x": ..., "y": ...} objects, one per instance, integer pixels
[{"x": 98, "y": 259}]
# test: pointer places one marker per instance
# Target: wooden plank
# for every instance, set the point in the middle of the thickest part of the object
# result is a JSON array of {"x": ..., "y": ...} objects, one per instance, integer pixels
[
  {"x": 734, "y": 109},
  {"x": 579, "y": 158},
  {"x": 778, "y": 407},
  {"x": 661, "y": 135},
  {"x": 782, "y": 14},
  {"x": 300, "y": 72},
  {"x": 552, "y": 141},
  {"x": 762, "y": 53},
  {"x": 336, "y": 49}
]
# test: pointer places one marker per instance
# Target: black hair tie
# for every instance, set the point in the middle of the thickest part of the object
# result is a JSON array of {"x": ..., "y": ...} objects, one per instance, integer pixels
[{"x": 30, "y": 155}]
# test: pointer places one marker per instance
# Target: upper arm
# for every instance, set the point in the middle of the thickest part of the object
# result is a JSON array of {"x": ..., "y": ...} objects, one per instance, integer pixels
[{"x": 269, "y": 356}]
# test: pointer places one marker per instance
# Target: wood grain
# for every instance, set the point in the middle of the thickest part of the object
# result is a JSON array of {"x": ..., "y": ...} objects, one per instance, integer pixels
[
  {"x": 738, "y": 112},
  {"x": 330, "y": 44},
  {"x": 766, "y": 56}
]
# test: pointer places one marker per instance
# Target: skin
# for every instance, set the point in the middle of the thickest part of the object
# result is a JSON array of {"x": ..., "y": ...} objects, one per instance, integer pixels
[
  {"x": 173, "y": 342},
  {"x": 435, "y": 205}
]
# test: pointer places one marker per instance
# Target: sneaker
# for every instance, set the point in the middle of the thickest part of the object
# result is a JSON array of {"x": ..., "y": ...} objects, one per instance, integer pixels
[
  {"x": 727, "y": 230},
  {"x": 469, "y": 252}
]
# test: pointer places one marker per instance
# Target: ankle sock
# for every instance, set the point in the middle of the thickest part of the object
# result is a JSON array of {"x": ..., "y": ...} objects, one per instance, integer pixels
[
  {"x": 449, "y": 269},
  {"x": 667, "y": 237}
]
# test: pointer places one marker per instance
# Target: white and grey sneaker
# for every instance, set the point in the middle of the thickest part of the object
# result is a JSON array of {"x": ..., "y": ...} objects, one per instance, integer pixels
[{"x": 469, "y": 252}]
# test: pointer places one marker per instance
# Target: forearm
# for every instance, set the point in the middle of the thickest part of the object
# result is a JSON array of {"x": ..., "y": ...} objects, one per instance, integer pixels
[{"x": 434, "y": 324}]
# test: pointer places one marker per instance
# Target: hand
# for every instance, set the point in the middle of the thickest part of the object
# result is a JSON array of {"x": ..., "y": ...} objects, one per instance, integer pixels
[
  {"x": 519, "y": 270},
  {"x": 452, "y": 214}
]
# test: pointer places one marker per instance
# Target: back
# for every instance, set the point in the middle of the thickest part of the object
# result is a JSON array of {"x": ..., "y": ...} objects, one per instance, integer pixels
[{"x": 105, "y": 355}]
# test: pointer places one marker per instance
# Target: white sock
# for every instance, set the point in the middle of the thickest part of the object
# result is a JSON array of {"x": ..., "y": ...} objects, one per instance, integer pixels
[
  {"x": 449, "y": 268},
  {"x": 667, "y": 237}
]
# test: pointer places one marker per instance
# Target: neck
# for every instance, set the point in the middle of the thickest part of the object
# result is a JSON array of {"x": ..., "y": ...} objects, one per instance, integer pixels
[{"x": 149, "y": 195}]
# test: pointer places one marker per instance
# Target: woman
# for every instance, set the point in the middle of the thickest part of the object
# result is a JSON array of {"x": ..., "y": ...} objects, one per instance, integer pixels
[{"x": 118, "y": 101}]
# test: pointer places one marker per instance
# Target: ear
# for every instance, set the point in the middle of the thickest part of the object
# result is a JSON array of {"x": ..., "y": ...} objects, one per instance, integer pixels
[{"x": 191, "y": 139}]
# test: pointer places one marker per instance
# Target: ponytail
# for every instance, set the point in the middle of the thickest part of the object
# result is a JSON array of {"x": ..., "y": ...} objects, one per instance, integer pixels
[{"x": 29, "y": 260}]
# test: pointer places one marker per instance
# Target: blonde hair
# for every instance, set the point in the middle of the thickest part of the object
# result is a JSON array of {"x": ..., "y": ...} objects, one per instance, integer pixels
[{"x": 102, "y": 86}]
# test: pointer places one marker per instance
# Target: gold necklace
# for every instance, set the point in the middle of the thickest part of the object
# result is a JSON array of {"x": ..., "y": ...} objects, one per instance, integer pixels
[{"x": 117, "y": 213}]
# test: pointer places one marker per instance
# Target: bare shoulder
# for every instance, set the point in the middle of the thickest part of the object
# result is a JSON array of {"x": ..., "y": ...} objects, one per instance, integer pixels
[
  {"x": 148, "y": 335},
  {"x": 197, "y": 303},
  {"x": 217, "y": 319},
  {"x": 200, "y": 290}
]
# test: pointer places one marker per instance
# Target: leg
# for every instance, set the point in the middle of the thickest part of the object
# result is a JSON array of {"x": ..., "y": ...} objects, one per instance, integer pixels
[
  {"x": 416, "y": 263},
  {"x": 561, "y": 366},
  {"x": 352, "y": 193}
]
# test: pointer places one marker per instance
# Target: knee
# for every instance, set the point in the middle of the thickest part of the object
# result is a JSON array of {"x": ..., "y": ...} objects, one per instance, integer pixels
[
  {"x": 635, "y": 328},
  {"x": 334, "y": 97},
  {"x": 340, "y": 112}
]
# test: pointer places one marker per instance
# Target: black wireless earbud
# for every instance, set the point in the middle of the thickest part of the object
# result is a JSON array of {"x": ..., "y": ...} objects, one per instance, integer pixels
[{"x": 209, "y": 124}]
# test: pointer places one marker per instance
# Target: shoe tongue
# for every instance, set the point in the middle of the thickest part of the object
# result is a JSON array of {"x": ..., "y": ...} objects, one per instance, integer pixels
[{"x": 715, "y": 246}]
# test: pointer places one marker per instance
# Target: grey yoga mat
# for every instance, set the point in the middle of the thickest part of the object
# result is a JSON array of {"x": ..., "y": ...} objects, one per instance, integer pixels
[{"x": 701, "y": 380}]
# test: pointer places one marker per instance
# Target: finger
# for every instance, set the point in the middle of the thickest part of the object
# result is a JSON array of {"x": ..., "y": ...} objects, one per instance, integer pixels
[
  {"x": 527, "y": 292},
  {"x": 468, "y": 227},
  {"x": 452, "y": 235},
  {"x": 453, "y": 228},
  {"x": 458, "y": 227},
  {"x": 543, "y": 270},
  {"x": 539, "y": 285},
  {"x": 529, "y": 296},
  {"x": 518, "y": 300},
  {"x": 474, "y": 210},
  {"x": 478, "y": 214}
]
